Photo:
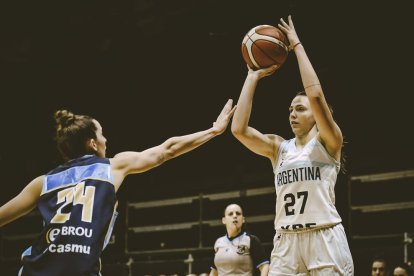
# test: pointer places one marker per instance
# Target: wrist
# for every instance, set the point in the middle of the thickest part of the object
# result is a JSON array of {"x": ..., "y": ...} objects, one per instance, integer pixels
[
  {"x": 253, "y": 76},
  {"x": 214, "y": 130},
  {"x": 294, "y": 45}
]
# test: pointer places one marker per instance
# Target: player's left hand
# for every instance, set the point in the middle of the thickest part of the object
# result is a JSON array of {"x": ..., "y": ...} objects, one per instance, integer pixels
[
  {"x": 223, "y": 119},
  {"x": 289, "y": 30}
]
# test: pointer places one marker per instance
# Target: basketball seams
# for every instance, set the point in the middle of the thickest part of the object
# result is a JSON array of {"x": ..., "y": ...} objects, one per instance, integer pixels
[
  {"x": 271, "y": 39},
  {"x": 264, "y": 45},
  {"x": 261, "y": 50},
  {"x": 249, "y": 49}
]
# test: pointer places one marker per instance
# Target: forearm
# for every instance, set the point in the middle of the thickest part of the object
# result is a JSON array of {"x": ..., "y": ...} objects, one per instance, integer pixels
[
  {"x": 244, "y": 105},
  {"x": 126, "y": 163},
  {"x": 309, "y": 77},
  {"x": 178, "y": 145}
]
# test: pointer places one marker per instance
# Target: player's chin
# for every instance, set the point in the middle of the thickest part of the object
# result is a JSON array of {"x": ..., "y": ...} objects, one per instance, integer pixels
[{"x": 294, "y": 128}]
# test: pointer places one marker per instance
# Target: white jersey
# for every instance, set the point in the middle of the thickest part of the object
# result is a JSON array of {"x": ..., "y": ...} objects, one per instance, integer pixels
[{"x": 305, "y": 181}]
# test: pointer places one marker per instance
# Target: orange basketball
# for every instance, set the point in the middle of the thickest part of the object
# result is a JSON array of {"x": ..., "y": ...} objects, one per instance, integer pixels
[{"x": 264, "y": 46}]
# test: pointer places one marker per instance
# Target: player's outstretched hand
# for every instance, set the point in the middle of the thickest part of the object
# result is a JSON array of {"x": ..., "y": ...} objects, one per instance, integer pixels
[{"x": 223, "y": 119}]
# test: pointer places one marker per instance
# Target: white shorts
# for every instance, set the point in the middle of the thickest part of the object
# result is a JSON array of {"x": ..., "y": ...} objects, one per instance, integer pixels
[{"x": 319, "y": 252}]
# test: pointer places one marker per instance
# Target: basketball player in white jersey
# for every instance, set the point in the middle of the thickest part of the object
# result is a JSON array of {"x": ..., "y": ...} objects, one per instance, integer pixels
[{"x": 310, "y": 239}]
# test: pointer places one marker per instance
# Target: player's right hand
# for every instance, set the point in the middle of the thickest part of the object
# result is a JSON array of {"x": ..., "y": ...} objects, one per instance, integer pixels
[{"x": 261, "y": 73}]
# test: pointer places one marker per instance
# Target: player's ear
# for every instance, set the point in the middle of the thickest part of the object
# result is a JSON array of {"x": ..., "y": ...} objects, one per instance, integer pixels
[
  {"x": 223, "y": 220},
  {"x": 92, "y": 145}
]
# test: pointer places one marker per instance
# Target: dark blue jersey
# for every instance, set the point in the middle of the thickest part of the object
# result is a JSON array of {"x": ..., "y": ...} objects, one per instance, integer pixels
[{"x": 78, "y": 206}]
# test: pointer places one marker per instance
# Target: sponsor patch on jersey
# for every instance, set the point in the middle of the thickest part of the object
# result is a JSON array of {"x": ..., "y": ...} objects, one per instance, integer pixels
[{"x": 54, "y": 233}]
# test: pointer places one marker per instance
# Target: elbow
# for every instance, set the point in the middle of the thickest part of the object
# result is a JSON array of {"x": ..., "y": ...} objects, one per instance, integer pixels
[
  {"x": 170, "y": 150},
  {"x": 236, "y": 130},
  {"x": 168, "y": 155}
]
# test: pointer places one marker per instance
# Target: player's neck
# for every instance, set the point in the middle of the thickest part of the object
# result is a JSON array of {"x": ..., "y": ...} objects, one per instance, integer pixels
[
  {"x": 302, "y": 140},
  {"x": 233, "y": 233}
]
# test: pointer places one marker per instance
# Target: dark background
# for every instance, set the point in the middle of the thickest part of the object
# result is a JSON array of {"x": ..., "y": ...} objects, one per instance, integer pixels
[{"x": 149, "y": 70}]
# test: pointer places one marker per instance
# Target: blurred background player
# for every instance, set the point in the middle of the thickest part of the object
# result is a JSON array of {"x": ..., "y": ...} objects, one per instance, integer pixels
[{"x": 379, "y": 267}]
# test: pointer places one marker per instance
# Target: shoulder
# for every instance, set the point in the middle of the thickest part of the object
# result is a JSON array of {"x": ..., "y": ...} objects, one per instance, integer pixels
[
  {"x": 275, "y": 139},
  {"x": 280, "y": 147},
  {"x": 122, "y": 160},
  {"x": 40, "y": 178},
  {"x": 335, "y": 157},
  {"x": 38, "y": 181},
  {"x": 220, "y": 241},
  {"x": 254, "y": 239},
  {"x": 257, "y": 251},
  {"x": 36, "y": 185}
]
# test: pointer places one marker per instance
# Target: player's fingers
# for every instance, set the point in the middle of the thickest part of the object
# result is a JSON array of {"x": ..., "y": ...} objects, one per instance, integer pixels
[
  {"x": 232, "y": 111},
  {"x": 270, "y": 70},
  {"x": 284, "y": 23},
  {"x": 290, "y": 20},
  {"x": 227, "y": 106},
  {"x": 282, "y": 28}
]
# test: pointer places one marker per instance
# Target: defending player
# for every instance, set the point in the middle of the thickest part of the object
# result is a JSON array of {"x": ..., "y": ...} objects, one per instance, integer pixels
[{"x": 77, "y": 200}]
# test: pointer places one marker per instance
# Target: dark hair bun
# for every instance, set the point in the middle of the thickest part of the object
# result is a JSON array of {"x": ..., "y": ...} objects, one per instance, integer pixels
[{"x": 63, "y": 118}]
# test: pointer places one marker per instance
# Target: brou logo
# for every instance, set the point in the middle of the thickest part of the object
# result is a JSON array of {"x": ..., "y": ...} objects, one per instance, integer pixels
[{"x": 53, "y": 233}]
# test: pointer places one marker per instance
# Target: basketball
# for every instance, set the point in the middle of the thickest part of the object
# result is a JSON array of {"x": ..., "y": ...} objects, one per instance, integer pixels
[{"x": 264, "y": 46}]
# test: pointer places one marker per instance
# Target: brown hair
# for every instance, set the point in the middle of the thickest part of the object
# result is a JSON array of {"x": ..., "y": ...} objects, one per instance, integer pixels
[
  {"x": 343, "y": 156},
  {"x": 72, "y": 133}
]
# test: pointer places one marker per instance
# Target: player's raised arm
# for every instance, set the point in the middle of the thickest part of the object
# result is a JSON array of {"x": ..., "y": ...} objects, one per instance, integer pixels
[
  {"x": 136, "y": 162},
  {"x": 329, "y": 132},
  {"x": 262, "y": 144}
]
